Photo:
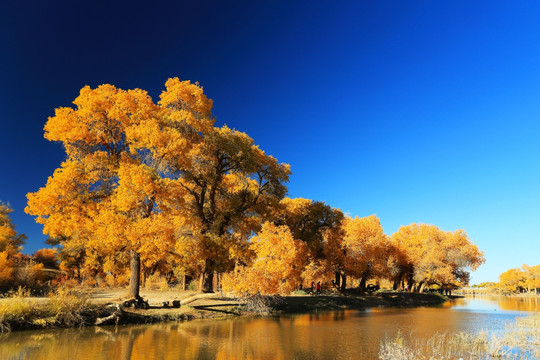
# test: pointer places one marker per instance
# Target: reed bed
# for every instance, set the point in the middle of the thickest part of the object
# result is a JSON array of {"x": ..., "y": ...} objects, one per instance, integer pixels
[{"x": 519, "y": 340}]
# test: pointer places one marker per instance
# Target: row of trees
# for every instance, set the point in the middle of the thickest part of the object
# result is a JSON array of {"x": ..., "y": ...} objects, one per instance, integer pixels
[
  {"x": 518, "y": 280},
  {"x": 16, "y": 268},
  {"x": 161, "y": 188},
  {"x": 415, "y": 257}
]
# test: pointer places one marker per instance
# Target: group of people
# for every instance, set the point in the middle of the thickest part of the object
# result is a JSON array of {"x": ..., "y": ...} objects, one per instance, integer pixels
[{"x": 313, "y": 287}]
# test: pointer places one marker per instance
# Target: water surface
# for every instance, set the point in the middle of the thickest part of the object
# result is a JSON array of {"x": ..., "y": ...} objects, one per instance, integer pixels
[{"x": 332, "y": 335}]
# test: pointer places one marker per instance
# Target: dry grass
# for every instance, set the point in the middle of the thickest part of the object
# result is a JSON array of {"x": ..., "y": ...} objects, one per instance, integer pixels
[
  {"x": 519, "y": 340},
  {"x": 17, "y": 304},
  {"x": 66, "y": 306},
  {"x": 157, "y": 282},
  {"x": 63, "y": 308}
]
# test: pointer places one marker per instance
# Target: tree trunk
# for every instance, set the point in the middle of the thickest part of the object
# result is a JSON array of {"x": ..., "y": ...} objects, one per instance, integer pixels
[
  {"x": 215, "y": 283},
  {"x": 338, "y": 279},
  {"x": 207, "y": 285},
  {"x": 410, "y": 286},
  {"x": 410, "y": 283},
  {"x": 135, "y": 279},
  {"x": 343, "y": 282},
  {"x": 398, "y": 281},
  {"x": 362, "y": 285},
  {"x": 422, "y": 285}
]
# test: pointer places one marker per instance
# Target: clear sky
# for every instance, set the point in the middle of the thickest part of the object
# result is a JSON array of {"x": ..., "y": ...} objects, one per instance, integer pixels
[{"x": 417, "y": 111}]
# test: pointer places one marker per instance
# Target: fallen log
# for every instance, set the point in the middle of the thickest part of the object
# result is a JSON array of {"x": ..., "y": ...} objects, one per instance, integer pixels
[{"x": 112, "y": 319}]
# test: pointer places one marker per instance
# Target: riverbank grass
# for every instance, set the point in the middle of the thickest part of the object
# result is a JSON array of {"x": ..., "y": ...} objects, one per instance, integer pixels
[{"x": 63, "y": 307}]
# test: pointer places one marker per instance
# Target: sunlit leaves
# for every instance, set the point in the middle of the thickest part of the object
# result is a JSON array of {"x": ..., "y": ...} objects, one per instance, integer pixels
[
  {"x": 430, "y": 255},
  {"x": 277, "y": 266},
  {"x": 519, "y": 279},
  {"x": 10, "y": 241},
  {"x": 366, "y": 246}
]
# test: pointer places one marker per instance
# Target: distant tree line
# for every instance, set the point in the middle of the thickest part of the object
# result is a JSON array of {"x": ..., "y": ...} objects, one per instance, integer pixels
[{"x": 519, "y": 280}]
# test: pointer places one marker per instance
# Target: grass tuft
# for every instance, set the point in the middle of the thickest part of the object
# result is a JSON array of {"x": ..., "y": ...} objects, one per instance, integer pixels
[{"x": 66, "y": 306}]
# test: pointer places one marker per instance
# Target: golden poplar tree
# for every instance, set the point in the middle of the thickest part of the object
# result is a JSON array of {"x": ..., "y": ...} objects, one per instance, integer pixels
[
  {"x": 430, "y": 255},
  {"x": 112, "y": 193},
  {"x": 319, "y": 227},
  {"x": 230, "y": 187},
  {"x": 513, "y": 280},
  {"x": 154, "y": 180},
  {"x": 276, "y": 267},
  {"x": 367, "y": 249},
  {"x": 533, "y": 277},
  {"x": 10, "y": 241}
]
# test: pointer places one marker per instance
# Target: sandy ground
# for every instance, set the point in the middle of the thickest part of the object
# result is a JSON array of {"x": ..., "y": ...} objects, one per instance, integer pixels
[{"x": 156, "y": 298}]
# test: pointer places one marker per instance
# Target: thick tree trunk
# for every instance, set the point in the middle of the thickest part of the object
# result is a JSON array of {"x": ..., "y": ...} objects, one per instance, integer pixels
[
  {"x": 207, "y": 285},
  {"x": 135, "y": 279},
  {"x": 362, "y": 285},
  {"x": 338, "y": 279},
  {"x": 398, "y": 281},
  {"x": 410, "y": 283},
  {"x": 215, "y": 283},
  {"x": 422, "y": 285},
  {"x": 343, "y": 282},
  {"x": 185, "y": 282}
]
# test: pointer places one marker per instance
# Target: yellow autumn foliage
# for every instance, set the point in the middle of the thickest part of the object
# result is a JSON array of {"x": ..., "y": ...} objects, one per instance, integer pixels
[
  {"x": 6, "y": 269},
  {"x": 433, "y": 256},
  {"x": 276, "y": 268},
  {"x": 10, "y": 241}
]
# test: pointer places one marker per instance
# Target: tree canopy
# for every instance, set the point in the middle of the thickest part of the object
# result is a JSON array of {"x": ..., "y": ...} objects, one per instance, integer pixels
[
  {"x": 10, "y": 241},
  {"x": 159, "y": 188},
  {"x": 138, "y": 173}
]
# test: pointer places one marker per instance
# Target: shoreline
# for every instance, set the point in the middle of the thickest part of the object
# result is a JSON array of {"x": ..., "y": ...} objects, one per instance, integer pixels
[{"x": 209, "y": 306}]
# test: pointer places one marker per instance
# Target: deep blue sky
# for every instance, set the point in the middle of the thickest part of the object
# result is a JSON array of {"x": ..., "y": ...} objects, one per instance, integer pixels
[{"x": 422, "y": 111}]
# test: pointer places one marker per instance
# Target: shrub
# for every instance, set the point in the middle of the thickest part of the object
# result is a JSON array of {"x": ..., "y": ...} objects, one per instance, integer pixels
[
  {"x": 156, "y": 282},
  {"x": 193, "y": 285},
  {"x": 6, "y": 270},
  {"x": 90, "y": 282},
  {"x": 47, "y": 257}
]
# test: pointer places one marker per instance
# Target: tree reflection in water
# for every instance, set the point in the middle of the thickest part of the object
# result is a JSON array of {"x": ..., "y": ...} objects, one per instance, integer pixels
[{"x": 335, "y": 335}]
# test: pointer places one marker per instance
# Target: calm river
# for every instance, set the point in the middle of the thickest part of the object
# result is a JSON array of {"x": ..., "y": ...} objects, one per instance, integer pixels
[{"x": 334, "y": 335}]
